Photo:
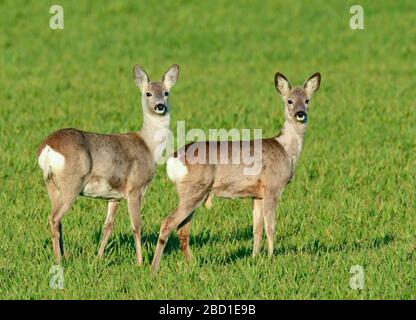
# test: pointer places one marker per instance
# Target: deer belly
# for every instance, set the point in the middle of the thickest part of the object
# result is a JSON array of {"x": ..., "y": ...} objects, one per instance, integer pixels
[
  {"x": 235, "y": 194},
  {"x": 101, "y": 189},
  {"x": 242, "y": 189}
]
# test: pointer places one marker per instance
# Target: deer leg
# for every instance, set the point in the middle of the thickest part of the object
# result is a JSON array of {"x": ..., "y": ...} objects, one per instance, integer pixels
[
  {"x": 269, "y": 208},
  {"x": 185, "y": 208},
  {"x": 54, "y": 222},
  {"x": 61, "y": 241},
  {"x": 208, "y": 202},
  {"x": 108, "y": 225},
  {"x": 61, "y": 201},
  {"x": 257, "y": 225},
  {"x": 133, "y": 204},
  {"x": 183, "y": 235}
]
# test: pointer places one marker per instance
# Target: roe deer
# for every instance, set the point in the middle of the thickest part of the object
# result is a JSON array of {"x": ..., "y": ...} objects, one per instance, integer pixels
[
  {"x": 197, "y": 181},
  {"x": 111, "y": 167}
]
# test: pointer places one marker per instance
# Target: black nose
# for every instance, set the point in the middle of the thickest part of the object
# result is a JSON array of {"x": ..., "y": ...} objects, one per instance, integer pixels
[
  {"x": 160, "y": 107},
  {"x": 300, "y": 114}
]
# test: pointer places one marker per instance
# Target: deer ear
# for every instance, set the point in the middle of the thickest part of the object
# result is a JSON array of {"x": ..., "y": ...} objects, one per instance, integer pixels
[
  {"x": 312, "y": 84},
  {"x": 171, "y": 76},
  {"x": 282, "y": 84},
  {"x": 140, "y": 77}
]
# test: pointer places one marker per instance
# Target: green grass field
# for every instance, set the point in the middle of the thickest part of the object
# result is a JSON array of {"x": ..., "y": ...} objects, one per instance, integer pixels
[{"x": 352, "y": 201}]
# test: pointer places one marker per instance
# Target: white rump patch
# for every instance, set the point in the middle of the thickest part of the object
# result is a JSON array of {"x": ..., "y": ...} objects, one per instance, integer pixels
[
  {"x": 176, "y": 169},
  {"x": 50, "y": 160}
]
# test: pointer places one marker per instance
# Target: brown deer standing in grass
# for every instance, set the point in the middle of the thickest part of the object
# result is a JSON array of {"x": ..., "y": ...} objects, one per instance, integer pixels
[
  {"x": 197, "y": 181},
  {"x": 111, "y": 167}
]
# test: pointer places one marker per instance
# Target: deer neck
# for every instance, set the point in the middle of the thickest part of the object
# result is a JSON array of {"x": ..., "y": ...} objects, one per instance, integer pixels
[
  {"x": 155, "y": 133},
  {"x": 291, "y": 138}
]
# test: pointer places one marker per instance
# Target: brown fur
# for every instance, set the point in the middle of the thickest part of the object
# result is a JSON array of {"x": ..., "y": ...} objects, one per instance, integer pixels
[
  {"x": 203, "y": 181},
  {"x": 111, "y": 167}
]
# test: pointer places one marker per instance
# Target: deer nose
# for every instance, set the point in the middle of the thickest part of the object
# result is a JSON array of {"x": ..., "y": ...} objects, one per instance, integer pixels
[
  {"x": 160, "y": 108},
  {"x": 301, "y": 116}
]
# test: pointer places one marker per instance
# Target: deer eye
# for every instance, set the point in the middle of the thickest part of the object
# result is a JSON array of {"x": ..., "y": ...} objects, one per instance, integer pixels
[
  {"x": 166, "y": 93},
  {"x": 307, "y": 101},
  {"x": 290, "y": 101},
  {"x": 148, "y": 94}
]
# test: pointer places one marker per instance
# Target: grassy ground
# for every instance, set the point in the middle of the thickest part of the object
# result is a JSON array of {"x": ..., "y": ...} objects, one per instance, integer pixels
[{"x": 352, "y": 201}]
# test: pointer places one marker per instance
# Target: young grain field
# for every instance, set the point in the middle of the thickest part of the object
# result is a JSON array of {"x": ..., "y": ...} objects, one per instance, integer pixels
[{"x": 352, "y": 200}]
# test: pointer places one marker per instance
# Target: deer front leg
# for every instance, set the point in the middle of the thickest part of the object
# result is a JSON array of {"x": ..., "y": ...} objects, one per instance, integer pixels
[
  {"x": 257, "y": 225},
  {"x": 133, "y": 204},
  {"x": 269, "y": 213},
  {"x": 108, "y": 225}
]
